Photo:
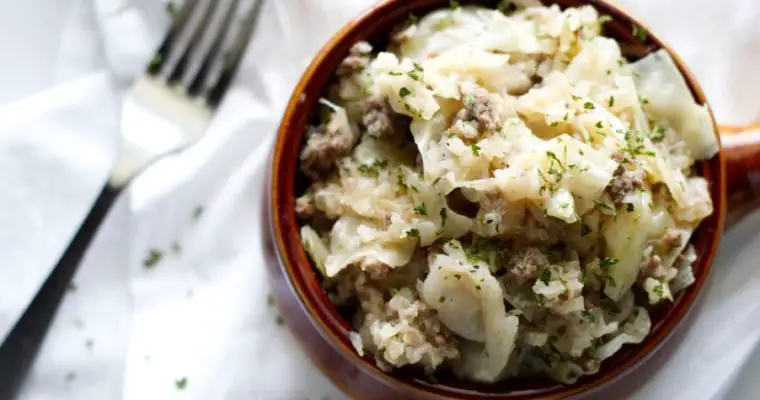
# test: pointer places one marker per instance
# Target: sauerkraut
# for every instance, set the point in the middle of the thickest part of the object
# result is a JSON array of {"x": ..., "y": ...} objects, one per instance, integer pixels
[{"x": 490, "y": 190}]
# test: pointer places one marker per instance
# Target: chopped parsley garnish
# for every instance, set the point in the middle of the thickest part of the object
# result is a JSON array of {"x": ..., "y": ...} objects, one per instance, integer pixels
[
  {"x": 575, "y": 98},
  {"x": 372, "y": 169},
  {"x": 505, "y": 6},
  {"x": 414, "y": 232},
  {"x": 545, "y": 276},
  {"x": 477, "y": 287},
  {"x": 156, "y": 60},
  {"x": 441, "y": 299},
  {"x": 588, "y": 105},
  {"x": 585, "y": 230},
  {"x": 181, "y": 383},
  {"x": 453, "y": 5},
  {"x": 659, "y": 290},
  {"x": 444, "y": 216},
  {"x": 415, "y": 73},
  {"x": 607, "y": 262},
  {"x": 197, "y": 213},
  {"x": 154, "y": 256},
  {"x": 611, "y": 102},
  {"x": 171, "y": 9},
  {"x": 404, "y": 91},
  {"x": 599, "y": 124},
  {"x": 643, "y": 100},
  {"x": 588, "y": 316},
  {"x": 458, "y": 276},
  {"x": 420, "y": 209},
  {"x": 394, "y": 73},
  {"x": 469, "y": 100},
  {"x": 640, "y": 33},
  {"x": 553, "y": 124},
  {"x": 475, "y": 150},
  {"x": 658, "y": 133},
  {"x": 401, "y": 181}
]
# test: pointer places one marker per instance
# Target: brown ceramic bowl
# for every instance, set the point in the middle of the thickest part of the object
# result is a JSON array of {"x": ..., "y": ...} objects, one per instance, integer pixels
[{"x": 323, "y": 333}]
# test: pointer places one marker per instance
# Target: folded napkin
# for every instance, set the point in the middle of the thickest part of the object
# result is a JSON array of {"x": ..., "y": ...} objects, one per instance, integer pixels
[{"x": 197, "y": 324}]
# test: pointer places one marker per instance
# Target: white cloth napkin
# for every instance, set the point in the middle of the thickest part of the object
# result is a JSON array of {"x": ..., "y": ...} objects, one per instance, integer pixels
[{"x": 201, "y": 316}]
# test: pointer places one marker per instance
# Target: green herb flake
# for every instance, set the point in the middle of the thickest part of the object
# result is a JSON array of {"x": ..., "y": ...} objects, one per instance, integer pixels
[
  {"x": 585, "y": 230},
  {"x": 505, "y": 6},
  {"x": 394, "y": 73},
  {"x": 444, "y": 216},
  {"x": 171, "y": 9},
  {"x": 404, "y": 91},
  {"x": 545, "y": 276},
  {"x": 599, "y": 124},
  {"x": 640, "y": 33},
  {"x": 588, "y": 105},
  {"x": 154, "y": 256},
  {"x": 441, "y": 299},
  {"x": 607, "y": 262},
  {"x": 156, "y": 61},
  {"x": 629, "y": 207},
  {"x": 469, "y": 100},
  {"x": 575, "y": 98},
  {"x": 554, "y": 124},
  {"x": 420, "y": 209},
  {"x": 453, "y": 5},
  {"x": 611, "y": 102},
  {"x": 458, "y": 276},
  {"x": 475, "y": 150},
  {"x": 658, "y": 133},
  {"x": 414, "y": 232},
  {"x": 659, "y": 290},
  {"x": 181, "y": 383},
  {"x": 588, "y": 316}
]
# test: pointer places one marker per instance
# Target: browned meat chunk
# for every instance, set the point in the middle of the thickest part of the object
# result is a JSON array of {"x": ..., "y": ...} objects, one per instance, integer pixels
[
  {"x": 670, "y": 240},
  {"x": 381, "y": 121},
  {"x": 325, "y": 145},
  {"x": 479, "y": 107},
  {"x": 527, "y": 263},
  {"x": 358, "y": 58},
  {"x": 623, "y": 183}
]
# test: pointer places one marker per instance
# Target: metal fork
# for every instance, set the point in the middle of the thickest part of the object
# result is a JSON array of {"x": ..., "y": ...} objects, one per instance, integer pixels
[{"x": 167, "y": 109}]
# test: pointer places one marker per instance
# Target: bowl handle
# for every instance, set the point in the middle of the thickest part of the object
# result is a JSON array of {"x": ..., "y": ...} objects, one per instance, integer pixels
[{"x": 741, "y": 146}]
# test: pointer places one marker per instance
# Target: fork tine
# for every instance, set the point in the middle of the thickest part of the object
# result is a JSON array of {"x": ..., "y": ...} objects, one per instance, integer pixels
[
  {"x": 196, "y": 85},
  {"x": 195, "y": 44},
  {"x": 162, "y": 54},
  {"x": 231, "y": 60}
]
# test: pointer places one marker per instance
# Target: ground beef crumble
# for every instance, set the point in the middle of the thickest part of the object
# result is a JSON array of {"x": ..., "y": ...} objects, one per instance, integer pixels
[
  {"x": 380, "y": 121},
  {"x": 357, "y": 60},
  {"x": 479, "y": 107},
  {"x": 527, "y": 263},
  {"x": 623, "y": 183},
  {"x": 324, "y": 146}
]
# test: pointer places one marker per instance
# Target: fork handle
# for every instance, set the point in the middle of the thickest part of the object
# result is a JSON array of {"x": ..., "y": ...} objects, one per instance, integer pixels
[{"x": 20, "y": 348}]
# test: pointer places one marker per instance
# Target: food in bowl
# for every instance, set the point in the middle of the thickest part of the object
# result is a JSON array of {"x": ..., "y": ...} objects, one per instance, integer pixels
[{"x": 503, "y": 194}]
